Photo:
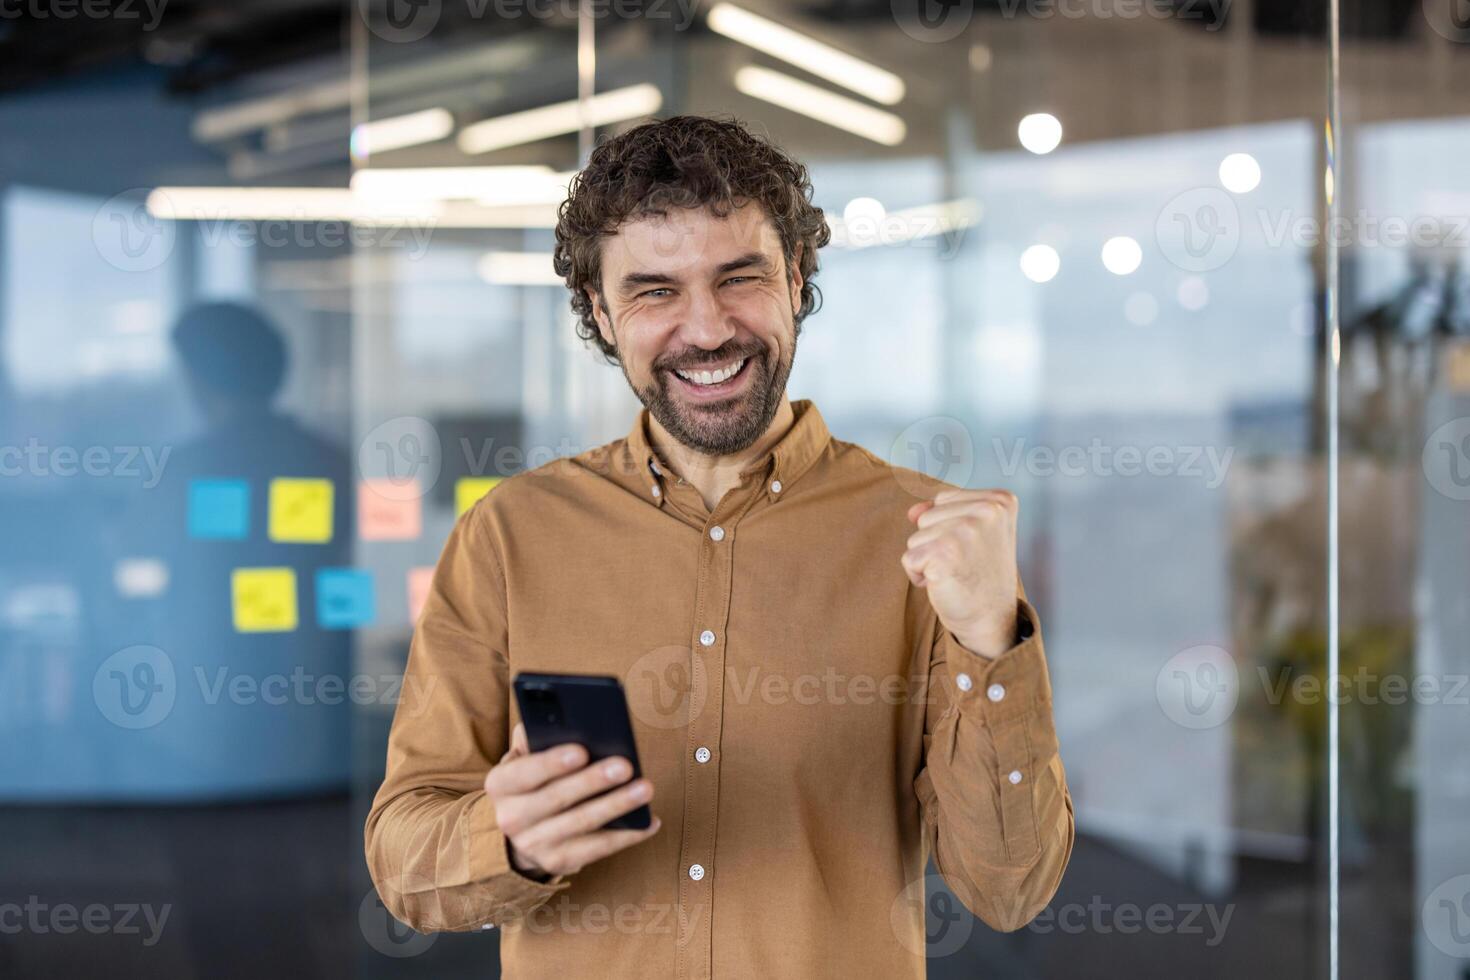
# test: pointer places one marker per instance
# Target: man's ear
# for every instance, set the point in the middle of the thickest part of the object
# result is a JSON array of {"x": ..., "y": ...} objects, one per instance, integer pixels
[
  {"x": 796, "y": 279},
  {"x": 599, "y": 313}
]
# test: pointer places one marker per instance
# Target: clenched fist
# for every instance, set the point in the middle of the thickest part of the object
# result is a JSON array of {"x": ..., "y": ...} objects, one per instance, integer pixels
[{"x": 964, "y": 556}]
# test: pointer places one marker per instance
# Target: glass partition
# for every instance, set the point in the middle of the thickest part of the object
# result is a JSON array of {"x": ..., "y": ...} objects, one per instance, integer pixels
[
  {"x": 1405, "y": 483},
  {"x": 1188, "y": 277},
  {"x": 1065, "y": 260},
  {"x": 177, "y": 513}
]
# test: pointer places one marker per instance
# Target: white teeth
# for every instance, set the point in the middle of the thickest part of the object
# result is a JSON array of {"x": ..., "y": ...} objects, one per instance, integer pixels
[{"x": 712, "y": 377}]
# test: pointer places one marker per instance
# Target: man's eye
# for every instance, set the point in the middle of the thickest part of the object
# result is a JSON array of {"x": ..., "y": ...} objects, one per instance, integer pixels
[
  {"x": 738, "y": 279},
  {"x": 654, "y": 293}
]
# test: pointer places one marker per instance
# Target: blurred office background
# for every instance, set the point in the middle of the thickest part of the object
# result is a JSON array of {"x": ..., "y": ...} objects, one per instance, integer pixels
[{"x": 1084, "y": 250}]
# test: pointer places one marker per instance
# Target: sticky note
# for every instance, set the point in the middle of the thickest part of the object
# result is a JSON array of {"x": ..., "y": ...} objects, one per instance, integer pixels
[
  {"x": 469, "y": 489},
  {"x": 140, "y": 578},
  {"x": 1458, "y": 367},
  {"x": 264, "y": 599},
  {"x": 389, "y": 510},
  {"x": 419, "y": 581},
  {"x": 301, "y": 510},
  {"x": 344, "y": 598},
  {"x": 219, "y": 509}
]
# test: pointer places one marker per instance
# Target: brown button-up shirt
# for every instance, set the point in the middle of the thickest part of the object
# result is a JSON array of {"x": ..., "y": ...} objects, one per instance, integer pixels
[{"x": 812, "y": 732}]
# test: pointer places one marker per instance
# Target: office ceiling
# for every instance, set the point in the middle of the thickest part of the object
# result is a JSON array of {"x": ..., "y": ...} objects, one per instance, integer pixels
[
  {"x": 203, "y": 43},
  {"x": 198, "y": 43},
  {"x": 267, "y": 78}
]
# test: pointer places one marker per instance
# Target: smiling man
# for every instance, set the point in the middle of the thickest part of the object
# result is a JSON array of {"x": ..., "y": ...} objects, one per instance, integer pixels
[{"x": 832, "y": 668}]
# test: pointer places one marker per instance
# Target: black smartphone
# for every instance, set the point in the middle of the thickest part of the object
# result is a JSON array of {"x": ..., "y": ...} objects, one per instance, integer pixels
[{"x": 586, "y": 709}]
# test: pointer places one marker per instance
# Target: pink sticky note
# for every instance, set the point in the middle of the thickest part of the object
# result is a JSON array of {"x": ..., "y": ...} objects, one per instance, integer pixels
[
  {"x": 419, "y": 580},
  {"x": 389, "y": 510}
]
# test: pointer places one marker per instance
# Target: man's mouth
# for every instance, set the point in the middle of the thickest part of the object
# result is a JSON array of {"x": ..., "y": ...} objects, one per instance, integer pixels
[{"x": 717, "y": 379}]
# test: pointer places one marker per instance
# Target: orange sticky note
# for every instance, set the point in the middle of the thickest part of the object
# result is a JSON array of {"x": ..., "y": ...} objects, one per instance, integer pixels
[
  {"x": 419, "y": 581},
  {"x": 389, "y": 510}
]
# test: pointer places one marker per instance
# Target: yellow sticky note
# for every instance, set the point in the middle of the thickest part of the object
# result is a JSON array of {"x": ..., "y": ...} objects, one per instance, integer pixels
[
  {"x": 301, "y": 510},
  {"x": 1459, "y": 366},
  {"x": 264, "y": 599},
  {"x": 469, "y": 489}
]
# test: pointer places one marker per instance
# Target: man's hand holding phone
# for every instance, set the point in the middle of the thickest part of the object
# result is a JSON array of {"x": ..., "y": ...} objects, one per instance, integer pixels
[{"x": 552, "y": 805}]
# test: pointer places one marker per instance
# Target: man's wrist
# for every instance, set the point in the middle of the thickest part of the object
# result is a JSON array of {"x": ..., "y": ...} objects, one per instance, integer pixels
[
  {"x": 990, "y": 640},
  {"x": 522, "y": 869}
]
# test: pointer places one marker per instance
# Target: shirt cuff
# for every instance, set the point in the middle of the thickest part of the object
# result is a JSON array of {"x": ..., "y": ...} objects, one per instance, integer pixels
[
  {"x": 1006, "y": 686},
  {"x": 490, "y": 860}
]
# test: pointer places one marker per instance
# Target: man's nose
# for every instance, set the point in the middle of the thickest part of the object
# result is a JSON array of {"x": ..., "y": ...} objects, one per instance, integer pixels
[{"x": 706, "y": 322}]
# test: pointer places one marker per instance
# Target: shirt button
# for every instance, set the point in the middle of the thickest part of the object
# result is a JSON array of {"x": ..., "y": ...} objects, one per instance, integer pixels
[
  {"x": 696, "y": 871},
  {"x": 995, "y": 692},
  {"x": 701, "y": 755},
  {"x": 717, "y": 533},
  {"x": 963, "y": 682},
  {"x": 707, "y": 638},
  {"x": 775, "y": 486},
  {"x": 1015, "y": 776},
  {"x": 656, "y": 490}
]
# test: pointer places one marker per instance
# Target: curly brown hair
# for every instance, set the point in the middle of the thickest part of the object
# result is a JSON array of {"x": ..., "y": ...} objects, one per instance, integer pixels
[{"x": 684, "y": 162}]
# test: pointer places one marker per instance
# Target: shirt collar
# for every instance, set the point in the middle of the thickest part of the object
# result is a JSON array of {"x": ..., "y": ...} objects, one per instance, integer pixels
[{"x": 792, "y": 456}]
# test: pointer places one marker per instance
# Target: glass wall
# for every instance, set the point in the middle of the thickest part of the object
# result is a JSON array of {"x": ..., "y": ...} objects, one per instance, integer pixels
[
  {"x": 1404, "y": 487},
  {"x": 176, "y": 503},
  {"x": 1058, "y": 266},
  {"x": 1095, "y": 252}
]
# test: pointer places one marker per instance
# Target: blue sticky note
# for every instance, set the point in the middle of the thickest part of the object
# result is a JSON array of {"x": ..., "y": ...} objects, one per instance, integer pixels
[
  {"x": 344, "y": 598},
  {"x": 219, "y": 509}
]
